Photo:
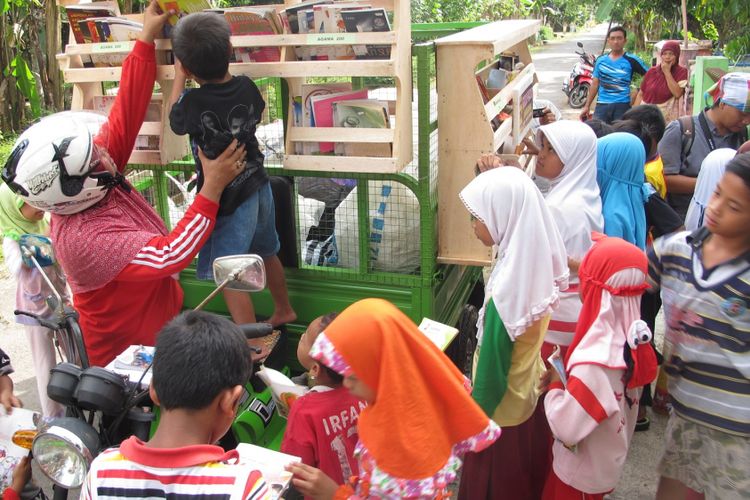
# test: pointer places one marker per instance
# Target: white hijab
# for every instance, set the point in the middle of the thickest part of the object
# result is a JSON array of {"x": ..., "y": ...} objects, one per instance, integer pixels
[
  {"x": 573, "y": 196},
  {"x": 711, "y": 171},
  {"x": 532, "y": 264}
]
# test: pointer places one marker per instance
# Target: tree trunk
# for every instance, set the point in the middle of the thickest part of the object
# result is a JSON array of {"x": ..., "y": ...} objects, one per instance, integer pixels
[
  {"x": 52, "y": 42},
  {"x": 45, "y": 99}
]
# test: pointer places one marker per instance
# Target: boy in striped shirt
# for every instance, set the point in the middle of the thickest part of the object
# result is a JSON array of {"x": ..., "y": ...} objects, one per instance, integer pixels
[
  {"x": 200, "y": 365},
  {"x": 704, "y": 278}
]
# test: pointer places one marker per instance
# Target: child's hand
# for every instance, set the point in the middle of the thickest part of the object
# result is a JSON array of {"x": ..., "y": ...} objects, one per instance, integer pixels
[
  {"x": 488, "y": 162},
  {"x": 312, "y": 482},
  {"x": 531, "y": 147},
  {"x": 153, "y": 22},
  {"x": 21, "y": 475},
  {"x": 7, "y": 398}
]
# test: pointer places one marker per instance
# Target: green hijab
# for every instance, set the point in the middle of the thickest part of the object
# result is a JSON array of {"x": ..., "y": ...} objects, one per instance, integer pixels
[{"x": 12, "y": 223}]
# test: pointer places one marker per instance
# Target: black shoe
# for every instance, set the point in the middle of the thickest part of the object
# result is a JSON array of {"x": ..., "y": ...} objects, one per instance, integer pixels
[{"x": 642, "y": 424}]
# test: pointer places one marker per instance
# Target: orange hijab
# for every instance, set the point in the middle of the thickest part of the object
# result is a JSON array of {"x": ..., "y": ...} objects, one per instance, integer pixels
[{"x": 423, "y": 415}]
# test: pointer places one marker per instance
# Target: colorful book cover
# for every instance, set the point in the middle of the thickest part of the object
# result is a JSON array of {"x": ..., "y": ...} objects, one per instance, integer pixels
[
  {"x": 246, "y": 22},
  {"x": 289, "y": 15},
  {"x": 78, "y": 13},
  {"x": 322, "y": 107},
  {"x": 366, "y": 21},
  {"x": 182, "y": 8},
  {"x": 15, "y": 430},
  {"x": 366, "y": 113},
  {"x": 310, "y": 90}
]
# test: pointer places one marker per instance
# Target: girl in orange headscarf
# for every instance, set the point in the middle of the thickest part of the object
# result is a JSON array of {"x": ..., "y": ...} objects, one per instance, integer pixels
[{"x": 420, "y": 419}]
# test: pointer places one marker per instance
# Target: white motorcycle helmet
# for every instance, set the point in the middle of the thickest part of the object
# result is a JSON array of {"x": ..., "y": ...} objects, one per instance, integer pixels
[{"x": 55, "y": 165}]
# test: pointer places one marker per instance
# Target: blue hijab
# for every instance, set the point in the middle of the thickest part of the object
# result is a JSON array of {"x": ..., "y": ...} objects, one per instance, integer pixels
[{"x": 620, "y": 160}]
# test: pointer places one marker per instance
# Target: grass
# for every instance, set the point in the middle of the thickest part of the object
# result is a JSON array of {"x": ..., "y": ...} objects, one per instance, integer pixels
[{"x": 6, "y": 145}]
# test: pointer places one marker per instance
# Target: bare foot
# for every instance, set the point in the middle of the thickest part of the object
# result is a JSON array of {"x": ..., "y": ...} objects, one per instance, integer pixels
[{"x": 280, "y": 317}]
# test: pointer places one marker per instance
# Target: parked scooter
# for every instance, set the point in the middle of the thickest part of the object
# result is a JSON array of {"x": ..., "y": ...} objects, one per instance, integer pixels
[
  {"x": 103, "y": 408},
  {"x": 577, "y": 85}
]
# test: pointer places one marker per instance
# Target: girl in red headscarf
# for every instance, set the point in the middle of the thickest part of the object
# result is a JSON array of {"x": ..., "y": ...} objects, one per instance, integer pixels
[
  {"x": 592, "y": 415},
  {"x": 664, "y": 85}
]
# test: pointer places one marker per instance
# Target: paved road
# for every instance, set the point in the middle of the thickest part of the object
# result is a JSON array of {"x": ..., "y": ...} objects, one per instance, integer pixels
[{"x": 554, "y": 61}]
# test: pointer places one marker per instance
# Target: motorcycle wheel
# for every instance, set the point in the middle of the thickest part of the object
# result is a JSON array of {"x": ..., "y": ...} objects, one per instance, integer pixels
[{"x": 578, "y": 95}]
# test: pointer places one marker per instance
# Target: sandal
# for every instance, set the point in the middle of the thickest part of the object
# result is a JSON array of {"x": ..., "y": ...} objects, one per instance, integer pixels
[{"x": 642, "y": 424}]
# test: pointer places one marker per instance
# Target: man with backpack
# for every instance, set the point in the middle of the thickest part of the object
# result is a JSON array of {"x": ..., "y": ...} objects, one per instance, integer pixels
[{"x": 689, "y": 139}]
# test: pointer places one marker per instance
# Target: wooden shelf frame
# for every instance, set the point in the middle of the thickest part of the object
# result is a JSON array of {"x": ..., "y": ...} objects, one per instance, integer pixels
[
  {"x": 465, "y": 130},
  {"x": 87, "y": 80}
]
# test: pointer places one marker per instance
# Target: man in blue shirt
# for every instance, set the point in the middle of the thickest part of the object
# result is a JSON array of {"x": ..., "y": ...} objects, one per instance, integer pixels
[{"x": 612, "y": 76}]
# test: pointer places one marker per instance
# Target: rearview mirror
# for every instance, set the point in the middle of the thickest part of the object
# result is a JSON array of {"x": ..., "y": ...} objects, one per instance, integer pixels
[
  {"x": 579, "y": 44},
  {"x": 244, "y": 273}
]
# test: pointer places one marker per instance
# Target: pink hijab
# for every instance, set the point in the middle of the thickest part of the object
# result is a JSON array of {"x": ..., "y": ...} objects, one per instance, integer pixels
[{"x": 95, "y": 245}]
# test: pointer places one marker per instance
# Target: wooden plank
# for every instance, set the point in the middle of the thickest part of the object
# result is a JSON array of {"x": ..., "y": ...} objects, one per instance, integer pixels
[
  {"x": 501, "y": 35},
  {"x": 342, "y": 164},
  {"x": 381, "y": 38},
  {"x": 502, "y": 134},
  {"x": 150, "y": 128},
  {"x": 110, "y": 47},
  {"x": 145, "y": 157},
  {"x": 461, "y": 261},
  {"x": 501, "y": 99},
  {"x": 340, "y": 134}
]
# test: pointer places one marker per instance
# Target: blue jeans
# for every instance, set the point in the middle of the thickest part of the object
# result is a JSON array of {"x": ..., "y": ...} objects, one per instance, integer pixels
[
  {"x": 610, "y": 112},
  {"x": 250, "y": 229}
]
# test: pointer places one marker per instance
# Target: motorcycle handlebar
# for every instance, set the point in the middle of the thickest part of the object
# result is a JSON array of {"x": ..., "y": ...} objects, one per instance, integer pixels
[
  {"x": 42, "y": 321},
  {"x": 256, "y": 330}
]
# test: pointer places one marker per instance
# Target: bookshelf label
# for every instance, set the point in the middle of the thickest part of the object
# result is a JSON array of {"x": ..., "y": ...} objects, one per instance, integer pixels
[
  {"x": 103, "y": 48},
  {"x": 331, "y": 38}
]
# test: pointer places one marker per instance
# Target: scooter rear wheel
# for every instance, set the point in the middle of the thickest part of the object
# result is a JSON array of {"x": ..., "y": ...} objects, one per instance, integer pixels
[{"x": 578, "y": 95}]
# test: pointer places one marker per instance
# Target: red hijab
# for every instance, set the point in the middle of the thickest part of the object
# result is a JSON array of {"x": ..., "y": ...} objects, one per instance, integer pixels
[
  {"x": 611, "y": 308},
  {"x": 654, "y": 85}
]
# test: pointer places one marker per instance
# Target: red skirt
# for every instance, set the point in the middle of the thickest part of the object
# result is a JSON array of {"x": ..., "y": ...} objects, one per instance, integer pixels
[
  {"x": 555, "y": 489},
  {"x": 515, "y": 466}
]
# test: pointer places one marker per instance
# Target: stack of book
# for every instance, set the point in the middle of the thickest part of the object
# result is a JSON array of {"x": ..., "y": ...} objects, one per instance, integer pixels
[
  {"x": 337, "y": 105},
  {"x": 244, "y": 21},
  {"x": 325, "y": 16}
]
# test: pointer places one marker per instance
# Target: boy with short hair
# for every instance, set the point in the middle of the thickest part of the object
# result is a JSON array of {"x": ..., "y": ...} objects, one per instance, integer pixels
[
  {"x": 322, "y": 425},
  {"x": 225, "y": 108},
  {"x": 200, "y": 365}
]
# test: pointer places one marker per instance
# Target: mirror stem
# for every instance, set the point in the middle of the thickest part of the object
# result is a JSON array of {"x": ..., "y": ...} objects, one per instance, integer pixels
[{"x": 214, "y": 293}]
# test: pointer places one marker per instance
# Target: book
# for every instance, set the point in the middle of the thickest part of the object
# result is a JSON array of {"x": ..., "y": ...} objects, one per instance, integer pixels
[
  {"x": 182, "y": 8},
  {"x": 365, "y": 21},
  {"x": 440, "y": 334},
  {"x": 365, "y": 113},
  {"x": 79, "y": 14},
  {"x": 16, "y": 431},
  {"x": 283, "y": 390},
  {"x": 556, "y": 362},
  {"x": 310, "y": 90},
  {"x": 322, "y": 110},
  {"x": 289, "y": 16},
  {"x": 246, "y": 21},
  {"x": 272, "y": 464}
]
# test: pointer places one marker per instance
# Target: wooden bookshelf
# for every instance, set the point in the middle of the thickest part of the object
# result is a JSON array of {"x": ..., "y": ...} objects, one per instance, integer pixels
[
  {"x": 87, "y": 83},
  {"x": 465, "y": 129}
]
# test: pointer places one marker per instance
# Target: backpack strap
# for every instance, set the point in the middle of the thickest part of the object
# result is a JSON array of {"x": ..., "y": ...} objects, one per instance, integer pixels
[{"x": 687, "y": 131}]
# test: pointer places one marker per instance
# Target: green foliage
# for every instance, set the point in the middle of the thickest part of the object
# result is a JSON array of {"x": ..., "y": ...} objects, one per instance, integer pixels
[
  {"x": 25, "y": 82},
  {"x": 546, "y": 33},
  {"x": 6, "y": 146}
]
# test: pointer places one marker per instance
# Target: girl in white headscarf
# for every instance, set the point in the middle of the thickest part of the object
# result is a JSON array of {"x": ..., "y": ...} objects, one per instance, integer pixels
[
  {"x": 567, "y": 158},
  {"x": 711, "y": 171},
  {"x": 521, "y": 293}
]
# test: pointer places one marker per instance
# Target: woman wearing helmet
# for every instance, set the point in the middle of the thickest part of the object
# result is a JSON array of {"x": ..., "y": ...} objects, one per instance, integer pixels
[{"x": 119, "y": 258}]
